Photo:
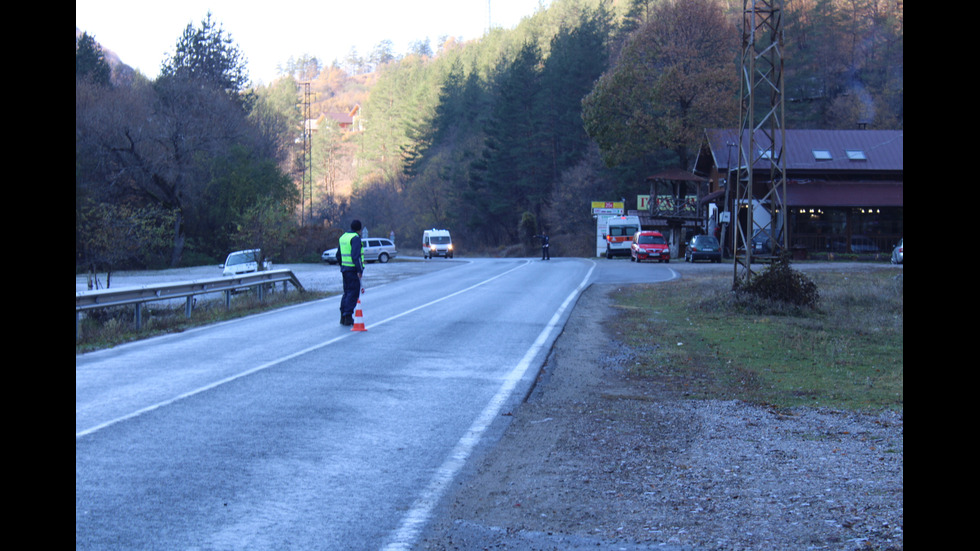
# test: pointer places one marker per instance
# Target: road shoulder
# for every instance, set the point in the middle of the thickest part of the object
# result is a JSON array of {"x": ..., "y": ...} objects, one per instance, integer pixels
[{"x": 597, "y": 459}]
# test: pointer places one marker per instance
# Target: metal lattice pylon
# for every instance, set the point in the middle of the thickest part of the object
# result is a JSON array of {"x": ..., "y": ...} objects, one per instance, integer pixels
[{"x": 760, "y": 188}]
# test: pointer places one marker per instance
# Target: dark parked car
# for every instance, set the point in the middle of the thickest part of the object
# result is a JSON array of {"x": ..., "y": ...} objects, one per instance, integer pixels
[
  {"x": 703, "y": 247},
  {"x": 862, "y": 244},
  {"x": 859, "y": 245},
  {"x": 763, "y": 243}
]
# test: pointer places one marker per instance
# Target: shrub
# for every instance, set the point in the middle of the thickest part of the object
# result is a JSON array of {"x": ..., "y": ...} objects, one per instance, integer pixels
[{"x": 781, "y": 283}]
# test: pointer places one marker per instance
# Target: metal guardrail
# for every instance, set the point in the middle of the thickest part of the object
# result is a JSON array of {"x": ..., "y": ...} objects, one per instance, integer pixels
[{"x": 104, "y": 298}]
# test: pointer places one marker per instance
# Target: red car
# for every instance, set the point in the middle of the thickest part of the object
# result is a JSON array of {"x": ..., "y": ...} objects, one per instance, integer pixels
[{"x": 649, "y": 245}]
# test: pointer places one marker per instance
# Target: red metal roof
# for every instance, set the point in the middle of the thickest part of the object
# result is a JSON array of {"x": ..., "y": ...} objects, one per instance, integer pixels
[{"x": 881, "y": 150}]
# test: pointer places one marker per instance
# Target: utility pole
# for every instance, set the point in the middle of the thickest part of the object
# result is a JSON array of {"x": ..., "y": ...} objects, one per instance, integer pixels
[
  {"x": 759, "y": 207},
  {"x": 307, "y": 171}
]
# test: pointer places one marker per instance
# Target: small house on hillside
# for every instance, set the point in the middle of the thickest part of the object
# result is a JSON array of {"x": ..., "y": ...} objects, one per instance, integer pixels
[
  {"x": 843, "y": 187},
  {"x": 348, "y": 122}
]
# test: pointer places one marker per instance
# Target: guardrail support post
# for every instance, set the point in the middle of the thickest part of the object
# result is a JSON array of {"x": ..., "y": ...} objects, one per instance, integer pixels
[
  {"x": 138, "y": 317},
  {"x": 188, "y": 306}
]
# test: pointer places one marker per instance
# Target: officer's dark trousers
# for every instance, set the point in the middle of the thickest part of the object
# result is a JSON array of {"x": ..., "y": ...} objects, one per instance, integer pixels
[{"x": 352, "y": 288}]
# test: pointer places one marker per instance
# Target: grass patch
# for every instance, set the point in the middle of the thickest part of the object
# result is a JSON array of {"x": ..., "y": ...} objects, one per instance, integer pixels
[
  {"x": 113, "y": 326},
  {"x": 707, "y": 342}
]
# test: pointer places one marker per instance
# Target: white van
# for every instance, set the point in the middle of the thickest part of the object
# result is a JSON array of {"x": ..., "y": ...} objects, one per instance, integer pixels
[
  {"x": 437, "y": 243},
  {"x": 617, "y": 233}
]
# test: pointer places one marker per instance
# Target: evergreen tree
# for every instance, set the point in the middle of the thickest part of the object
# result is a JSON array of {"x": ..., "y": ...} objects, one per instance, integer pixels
[
  {"x": 578, "y": 56},
  {"x": 401, "y": 102},
  {"x": 436, "y": 162},
  {"x": 90, "y": 61},
  {"x": 636, "y": 15},
  {"x": 511, "y": 177},
  {"x": 844, "y": 63},
  {"x": 447, "y": 115},
  {"x": 208, "y": 54},
  {"x": 420, "y": 48},
  {"x": 305, "y": 69},
  {"x": 383, "y": 53},
  {"x": 275, "y": 114}
]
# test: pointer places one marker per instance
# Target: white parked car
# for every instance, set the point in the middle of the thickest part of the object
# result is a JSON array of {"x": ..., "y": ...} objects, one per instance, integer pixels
[
  {"x": 376, "y": 249},
  {"x": 244, "y": 262},
  {"x": 898, "y": 253}
]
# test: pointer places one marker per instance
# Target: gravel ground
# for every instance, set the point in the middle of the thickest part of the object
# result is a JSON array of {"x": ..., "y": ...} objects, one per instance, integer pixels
[{"x": 595, "y": 459}]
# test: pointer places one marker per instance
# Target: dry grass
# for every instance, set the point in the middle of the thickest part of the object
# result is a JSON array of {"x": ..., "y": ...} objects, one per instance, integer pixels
[
  {"x": 114, "y": 326},
  {"x": 846, "y": 353}
]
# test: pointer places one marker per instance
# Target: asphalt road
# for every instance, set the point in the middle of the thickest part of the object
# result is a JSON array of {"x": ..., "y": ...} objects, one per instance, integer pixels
[{"x": 288, "y": 431}]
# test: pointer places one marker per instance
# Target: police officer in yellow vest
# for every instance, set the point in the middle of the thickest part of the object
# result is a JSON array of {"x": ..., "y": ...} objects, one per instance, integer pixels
[{"x": 350, "y": 256}]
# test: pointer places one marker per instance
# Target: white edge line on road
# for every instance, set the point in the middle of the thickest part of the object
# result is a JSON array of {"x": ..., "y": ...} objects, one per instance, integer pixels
[
  {"x": 416, "y": 517},
  {"x": 278, "y": 361}
]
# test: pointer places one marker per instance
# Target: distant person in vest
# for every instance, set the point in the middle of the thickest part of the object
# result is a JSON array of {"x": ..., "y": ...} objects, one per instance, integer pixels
[{"x": 350, "y": 256}]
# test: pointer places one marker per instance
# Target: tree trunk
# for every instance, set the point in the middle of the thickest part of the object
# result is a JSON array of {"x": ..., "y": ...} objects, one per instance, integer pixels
[{"x": 178, "y": 250}]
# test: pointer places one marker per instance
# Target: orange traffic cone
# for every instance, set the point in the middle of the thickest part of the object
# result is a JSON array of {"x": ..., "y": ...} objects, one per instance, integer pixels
[{"x": 358, "y": 318}]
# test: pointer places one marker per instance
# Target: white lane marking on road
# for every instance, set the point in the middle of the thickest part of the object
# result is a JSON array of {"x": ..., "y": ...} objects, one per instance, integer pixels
[
  {"x": 278, "y": 361},
  {"x": 416, "y": 517}
]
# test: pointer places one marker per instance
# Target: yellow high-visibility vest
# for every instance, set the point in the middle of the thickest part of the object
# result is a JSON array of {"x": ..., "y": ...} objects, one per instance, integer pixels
[{"x": 346, "y": 259}]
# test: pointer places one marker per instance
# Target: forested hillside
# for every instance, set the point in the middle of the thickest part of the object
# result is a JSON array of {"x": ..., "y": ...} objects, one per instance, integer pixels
[{"x": 497, "y": 139}]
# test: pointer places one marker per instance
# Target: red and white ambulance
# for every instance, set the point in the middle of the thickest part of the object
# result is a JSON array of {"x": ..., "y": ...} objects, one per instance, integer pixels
[{"x": 617, "y": 232}]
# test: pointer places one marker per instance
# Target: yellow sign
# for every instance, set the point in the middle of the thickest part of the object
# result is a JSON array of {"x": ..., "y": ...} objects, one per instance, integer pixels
[
  {"x": 608, "y": 207},
  {"x": 642, "y": 202}
]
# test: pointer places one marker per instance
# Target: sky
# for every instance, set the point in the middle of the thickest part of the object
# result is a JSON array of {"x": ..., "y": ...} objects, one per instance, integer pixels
[{"x": 143, "y": 33}]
